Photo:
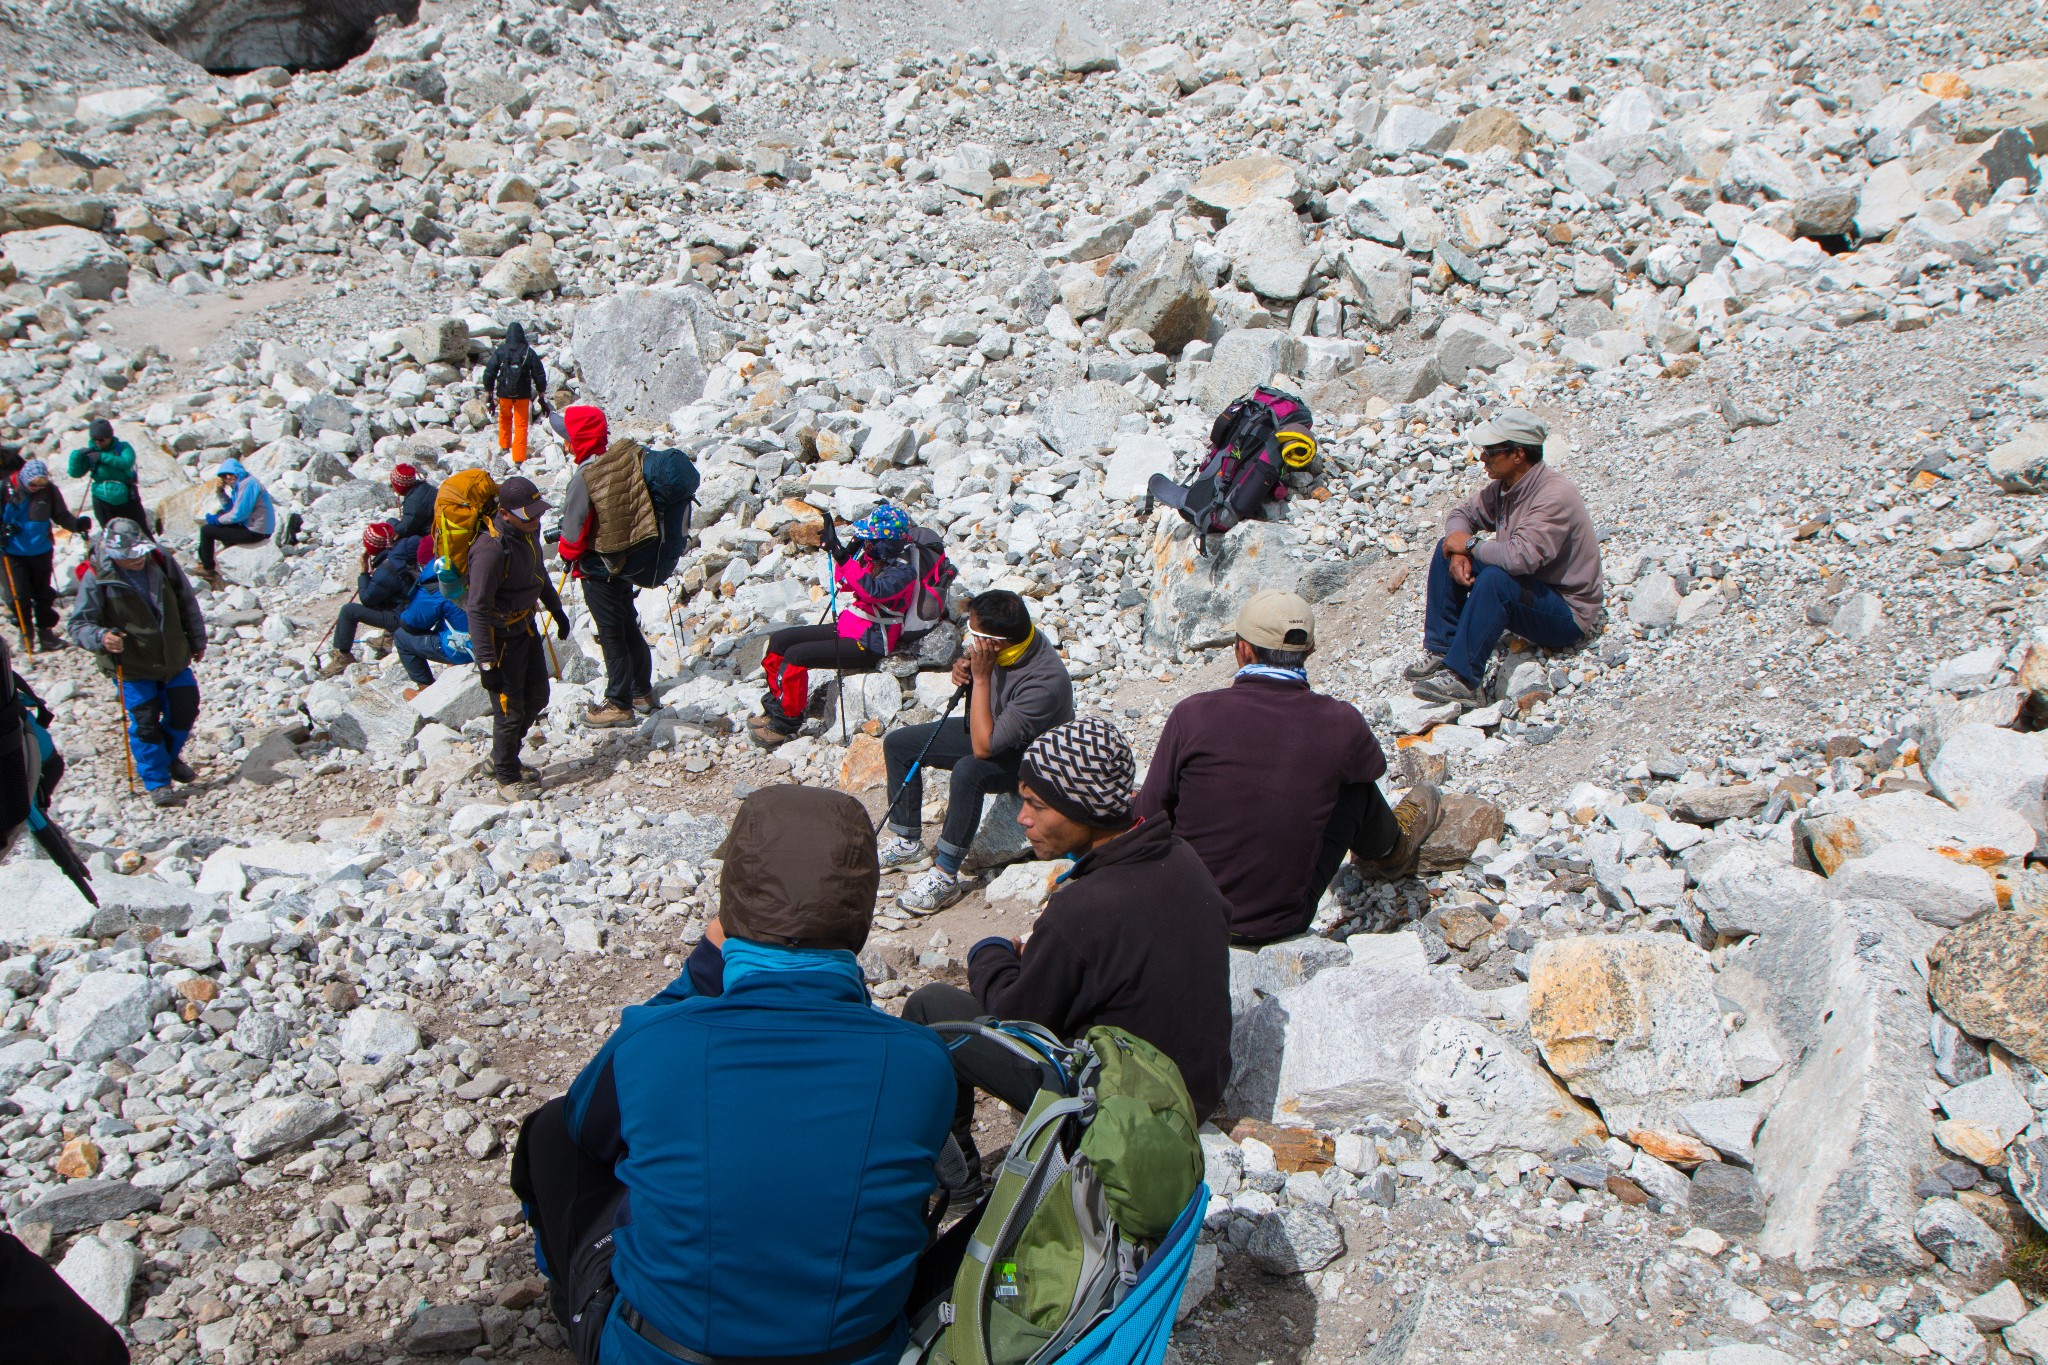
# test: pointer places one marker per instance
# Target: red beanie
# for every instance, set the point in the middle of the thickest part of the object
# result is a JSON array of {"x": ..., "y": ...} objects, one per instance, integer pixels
[
  {"x": 403, "y": 477},
  {"x": 586, "y": 431},
  {"x": 426, "y": 551},
  {"x": 379, "y": 535}
]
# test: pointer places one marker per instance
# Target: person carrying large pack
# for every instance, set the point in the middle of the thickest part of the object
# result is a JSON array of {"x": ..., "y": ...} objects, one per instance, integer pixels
[
  {"x": 743, "y": 1171},
  {"x": 624, "y": 522},
  {"x": 463, "y": 508},
  {"x": 895, "y": 576},
  {"x": 1253, "y": 443},
  {"x": 508, "y": 581}
]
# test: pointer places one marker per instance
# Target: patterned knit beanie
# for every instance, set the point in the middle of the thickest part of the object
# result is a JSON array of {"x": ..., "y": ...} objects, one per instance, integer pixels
[
  {"x": 1084, "y": 770},
  {"x": 403, "y": 477},
  {"x": 379, "y": 535}
]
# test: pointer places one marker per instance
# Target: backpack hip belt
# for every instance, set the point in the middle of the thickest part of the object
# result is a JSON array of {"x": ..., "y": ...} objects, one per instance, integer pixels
[{"x": 660, "y": 1341}]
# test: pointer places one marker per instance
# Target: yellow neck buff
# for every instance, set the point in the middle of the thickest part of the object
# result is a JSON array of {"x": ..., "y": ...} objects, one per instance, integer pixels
[{"x": 1015, "y": 652}]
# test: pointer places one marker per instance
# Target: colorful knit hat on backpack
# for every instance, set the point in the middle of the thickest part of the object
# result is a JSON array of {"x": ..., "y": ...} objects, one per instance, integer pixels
[{"x": 886, "y": 522}]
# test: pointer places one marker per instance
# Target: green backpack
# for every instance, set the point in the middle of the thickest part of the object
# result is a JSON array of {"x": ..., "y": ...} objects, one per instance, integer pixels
[{"x": 1102, "y": 1166}]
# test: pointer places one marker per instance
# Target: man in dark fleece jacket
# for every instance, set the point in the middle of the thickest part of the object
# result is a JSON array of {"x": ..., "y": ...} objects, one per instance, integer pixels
[
  {"x": 1272, "y": 783},
  {"x": 507, "y": 582},
  {"x": 1019, "y": 689},
  {"x": 1136, "y": 934}
]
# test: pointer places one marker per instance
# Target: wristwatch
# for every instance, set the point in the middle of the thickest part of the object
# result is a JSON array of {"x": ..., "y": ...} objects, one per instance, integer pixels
[{"x": 1472, "y": 544}]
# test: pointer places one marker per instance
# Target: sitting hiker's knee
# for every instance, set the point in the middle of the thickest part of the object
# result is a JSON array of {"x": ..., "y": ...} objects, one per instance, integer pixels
[{"x": 1496, "y": 582}]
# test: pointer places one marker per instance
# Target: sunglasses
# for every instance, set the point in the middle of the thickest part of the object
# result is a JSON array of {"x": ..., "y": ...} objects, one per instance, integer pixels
[
  {"x": 974, "y": 634},
  {"x": 1500, "y": 452}
]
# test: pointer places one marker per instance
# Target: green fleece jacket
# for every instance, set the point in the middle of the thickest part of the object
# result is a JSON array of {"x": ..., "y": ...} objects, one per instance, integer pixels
[{"x": 113, "y": 471}]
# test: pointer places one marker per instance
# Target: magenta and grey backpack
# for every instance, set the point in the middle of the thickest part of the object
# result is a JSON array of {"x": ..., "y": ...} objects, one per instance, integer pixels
[
  {"x": 921, "y": 605},
  {"x": 1252, "y": 444}
]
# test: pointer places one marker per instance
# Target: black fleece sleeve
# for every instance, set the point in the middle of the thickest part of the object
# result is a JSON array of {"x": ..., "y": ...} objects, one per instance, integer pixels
[{"x": 1043, "y": 985}]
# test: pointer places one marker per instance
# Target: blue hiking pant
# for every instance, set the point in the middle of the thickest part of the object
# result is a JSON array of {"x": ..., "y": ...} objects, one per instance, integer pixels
[
  {"x": 415, "y": 648},
  {"x": 160, "y": 717},
  {"x": 1464, "y": 624}
]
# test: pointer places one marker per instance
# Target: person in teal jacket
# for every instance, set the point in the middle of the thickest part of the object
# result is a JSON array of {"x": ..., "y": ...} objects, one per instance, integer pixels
[
  {"x": 110, "y": 462},
  {"x": 743, "y": 1170},
  {"x": 244, "y": 517}
]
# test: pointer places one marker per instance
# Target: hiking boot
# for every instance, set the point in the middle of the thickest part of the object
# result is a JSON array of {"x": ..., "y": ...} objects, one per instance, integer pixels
[
  {"x": 900, "y": 854},
  {"x": 1423, "y": 667},
  {"x": 645, "y": 704},
  {"x": 337, "y": 664},
  {"x": 181, "y": 771},
  {"x": 769, "y": 732},
  {"x": 167, "y": 796},
  {"x": 607, "y": 716},
  {"x": 212, "y": 578},
  {"x": 49, "y": 640},
  {"x": 934, "y": 891},
  {"x": 524, "y": 787},
  {"x": 1446, "y": 686},
  {"x": 1418, "y": 815}
]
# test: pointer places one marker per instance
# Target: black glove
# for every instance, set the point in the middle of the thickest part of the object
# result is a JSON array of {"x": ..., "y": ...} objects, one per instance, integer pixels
[
  {"x": 492, "y": 679},
  {"x": 830, "y": 536},
  {"x": 85, "y": 526},
  {"x": 561, "y": 626}
]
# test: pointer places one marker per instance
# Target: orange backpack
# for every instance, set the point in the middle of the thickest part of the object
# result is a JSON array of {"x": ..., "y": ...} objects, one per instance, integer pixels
[{"x": 462, "y": 511}]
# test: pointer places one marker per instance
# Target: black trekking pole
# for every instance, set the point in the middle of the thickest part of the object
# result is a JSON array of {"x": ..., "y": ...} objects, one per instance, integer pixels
[{"x": 917, "y": 764}]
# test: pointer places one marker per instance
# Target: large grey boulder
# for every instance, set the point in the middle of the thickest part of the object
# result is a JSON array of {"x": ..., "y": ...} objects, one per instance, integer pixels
[
  {"x": 1483, "y": 1096},
  {"x": 1269, "y": 254},
  {"x": 454, "y": 699},
  {"x": 87, "y": 1204},
  {"x": 1081, "y": 419},
  {"x": 1850, "y": 1136},
  {"x": 37, "y": 901},
  {"x": 1939, "y": 890},
  {"x": 107, "y": 1012},
  {"x": 1465, "y": 343},
  {"x": 277, "y": 1124},
  {"x": 1994, "y": 839},
  {"x": 66, "y": 255},
  {"x": 1985, "y": 766},
  {"x": 1166, "y": 300},
  {"x": 363, "y": 718},
  {"x": 102, "y": 1272},
  {"x": 1747, "y": 892},
  {"x": 1196, "y": 597},
  {"x": 1243, "y": 359},
  {"x": 374, "y": 1035},
  {"x": 2021, "y": 464},
  {"x": 646, "y": 352}
]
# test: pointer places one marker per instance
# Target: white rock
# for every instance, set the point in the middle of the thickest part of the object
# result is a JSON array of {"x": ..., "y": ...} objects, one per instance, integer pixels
[
  {"x": 272, "y": 1125},
  {"x": 102, "y": 1272},
  {"x": 107, "y": 1012},
  {"x": 1996, "y": 1308},
  {"x": 1939, "y": 890},
  {"x": 454, "y": 699},
  {"x": 66, "y": 255},
  {"x": 371, "y": 1035},
  {"x": 1485, "y": 1096},
  {"x": 1984, "y": 766}
]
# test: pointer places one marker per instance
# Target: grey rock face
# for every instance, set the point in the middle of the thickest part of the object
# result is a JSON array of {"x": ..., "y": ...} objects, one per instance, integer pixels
[
  {"x": 243, "y": 35},
  {"x": 1727, "y": 1199},
  {"x": 1965, "y": 1243},
  {"x": 1295, "y": 1241},
  {"x": 645, "y": 352},
  {"x": 1166, "y": 300},
  {"x": 88, "y": 1203},
  {"x": 275, "y": 1125},
  {"x": 107, "y": 1012}
]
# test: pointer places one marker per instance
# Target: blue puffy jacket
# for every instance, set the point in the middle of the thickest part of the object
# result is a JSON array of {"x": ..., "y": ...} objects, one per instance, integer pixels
[
  {"x": 429, "y": 613},
  {"x": 249, "y": 506},
  {"x": 27, "y": 515},
  {"x": 777, "y": 1143}
]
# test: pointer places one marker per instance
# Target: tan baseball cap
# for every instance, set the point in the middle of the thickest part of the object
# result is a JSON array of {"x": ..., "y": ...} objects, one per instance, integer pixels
[{"x": 1277, "y": 620}]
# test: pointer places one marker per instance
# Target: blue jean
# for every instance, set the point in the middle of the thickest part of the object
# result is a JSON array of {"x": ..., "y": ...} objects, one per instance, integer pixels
[
  {"x": 160, "y": 717},
  {"x": 1464, "y": 624},
  {"x": 415, "y": 647}
]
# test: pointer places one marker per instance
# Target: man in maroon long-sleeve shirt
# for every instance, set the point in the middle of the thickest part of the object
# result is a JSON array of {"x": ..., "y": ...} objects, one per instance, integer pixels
[{"x": 1272, "y": 783}]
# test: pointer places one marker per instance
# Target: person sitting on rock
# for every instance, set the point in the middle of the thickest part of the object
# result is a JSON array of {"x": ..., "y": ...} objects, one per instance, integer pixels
[
  {"x": 245, "y": 516},
  {"x": 384, "y": 583},
  {"x": 508, "y": 580},
  {"x": 416, "y": 506},
  {"x": 431, "y": 629},
  {"x": 742, "y": 1172},
  {"x": 513, "y": 378},
  {"x": 1538, "y": 574},
  {"x": 1018, "y": 688},
  {"x": 137, "y": 611},
  {"x": 110, "y": 463},
  {"x": 1136, "y": 933},
  {"x": 1272, "y": 783},
  {"x": 877, "y": 573},
  {"x": 32, "y": 505}
]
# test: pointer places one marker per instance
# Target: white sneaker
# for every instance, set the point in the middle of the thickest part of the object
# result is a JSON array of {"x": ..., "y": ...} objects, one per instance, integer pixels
[
  {"x": 901, "y": 854},
  {"x": 934, "y": 891}
]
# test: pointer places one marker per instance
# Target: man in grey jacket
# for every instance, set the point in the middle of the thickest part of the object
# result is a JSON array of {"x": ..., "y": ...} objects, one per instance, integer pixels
[
  {"x": 1018, "y": 690},
  {"x": 1537, "y": 573}
]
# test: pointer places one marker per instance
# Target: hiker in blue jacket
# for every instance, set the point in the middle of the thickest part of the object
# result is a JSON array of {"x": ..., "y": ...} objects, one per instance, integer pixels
[
  {"x": 752, "y": 1151},
  {"x": 430, "y": 628},
  {"x": 390, "y": 568},
  {"x": 244, "y": 517},
  {"x": 33, "y": 504}
]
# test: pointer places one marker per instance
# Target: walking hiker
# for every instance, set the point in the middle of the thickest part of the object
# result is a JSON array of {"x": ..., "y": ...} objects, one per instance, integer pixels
[
  {"x": 1272, "y": 783},
  {"x": 1538, "y": 574},
  {"x": 431, "y": 628},
  {"x": 1136, "y": 933},
  {"x": 513, "y": 379},
  {"x": 110, "y": 462},
  {"x": 508, "y": 579},
  {"x": 879, "y": 572},
  {"x": 33, "y": 504},
  {"x": 1019, "y": 690},
  {"x": 245, "y": 516},
  {"x": 742, "y": 1172},
  {"x": 137, "y": 611},
  {"x": 628, "y": 660},
  {"x": 416, "y": 506},
  {"x": 384, "y": 583}
]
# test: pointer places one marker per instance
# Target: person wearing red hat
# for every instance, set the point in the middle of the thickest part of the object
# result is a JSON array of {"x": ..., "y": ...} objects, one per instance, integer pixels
[
  {"x": 628, "y": 660},
  {"x": 416, "y": 511},
  {"x": 383, "y": 586}
]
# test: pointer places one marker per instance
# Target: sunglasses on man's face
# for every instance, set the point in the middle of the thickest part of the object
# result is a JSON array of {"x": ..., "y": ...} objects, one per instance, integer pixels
[{"x": 1497, "y": 452}]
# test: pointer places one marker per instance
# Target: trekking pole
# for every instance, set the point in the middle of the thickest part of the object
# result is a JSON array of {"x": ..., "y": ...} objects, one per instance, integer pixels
[
  {"x": 121, "y": 732},
  {"x": 14, "y": 596},
  {"x": 917, "y": 763}
]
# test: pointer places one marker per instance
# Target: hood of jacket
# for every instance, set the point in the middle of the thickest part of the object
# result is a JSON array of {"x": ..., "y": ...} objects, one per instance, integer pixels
[
  {"x": 585, "y": 430},
  {"x": 800, "y": 870},
  {"x": 233, "y": 466}
]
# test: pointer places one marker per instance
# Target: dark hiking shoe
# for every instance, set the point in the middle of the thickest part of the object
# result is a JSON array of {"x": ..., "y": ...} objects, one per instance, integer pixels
[
  {"x": 769, "y": 732},
  {"x": 213, "y": 579},
  {"x": 1418, "y": 815},
  {"x": 607, "y": 716},
  {"x": 181, "y": 771},
  {"x": 167, "y": 796},
  {"x": 50, "y": 640},
  {"x": 1423, "y": 667},
  {"x": 1446, "y": 686},
  {"x": 337, "y": 664}
]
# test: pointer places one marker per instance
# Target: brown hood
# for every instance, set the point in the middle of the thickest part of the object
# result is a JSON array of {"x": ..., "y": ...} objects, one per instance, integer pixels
[{"x": 800, "y": 870}]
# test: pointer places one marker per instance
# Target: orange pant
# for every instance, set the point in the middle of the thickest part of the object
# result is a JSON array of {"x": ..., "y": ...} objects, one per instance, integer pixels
[{"x": 512, "y": 427}]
